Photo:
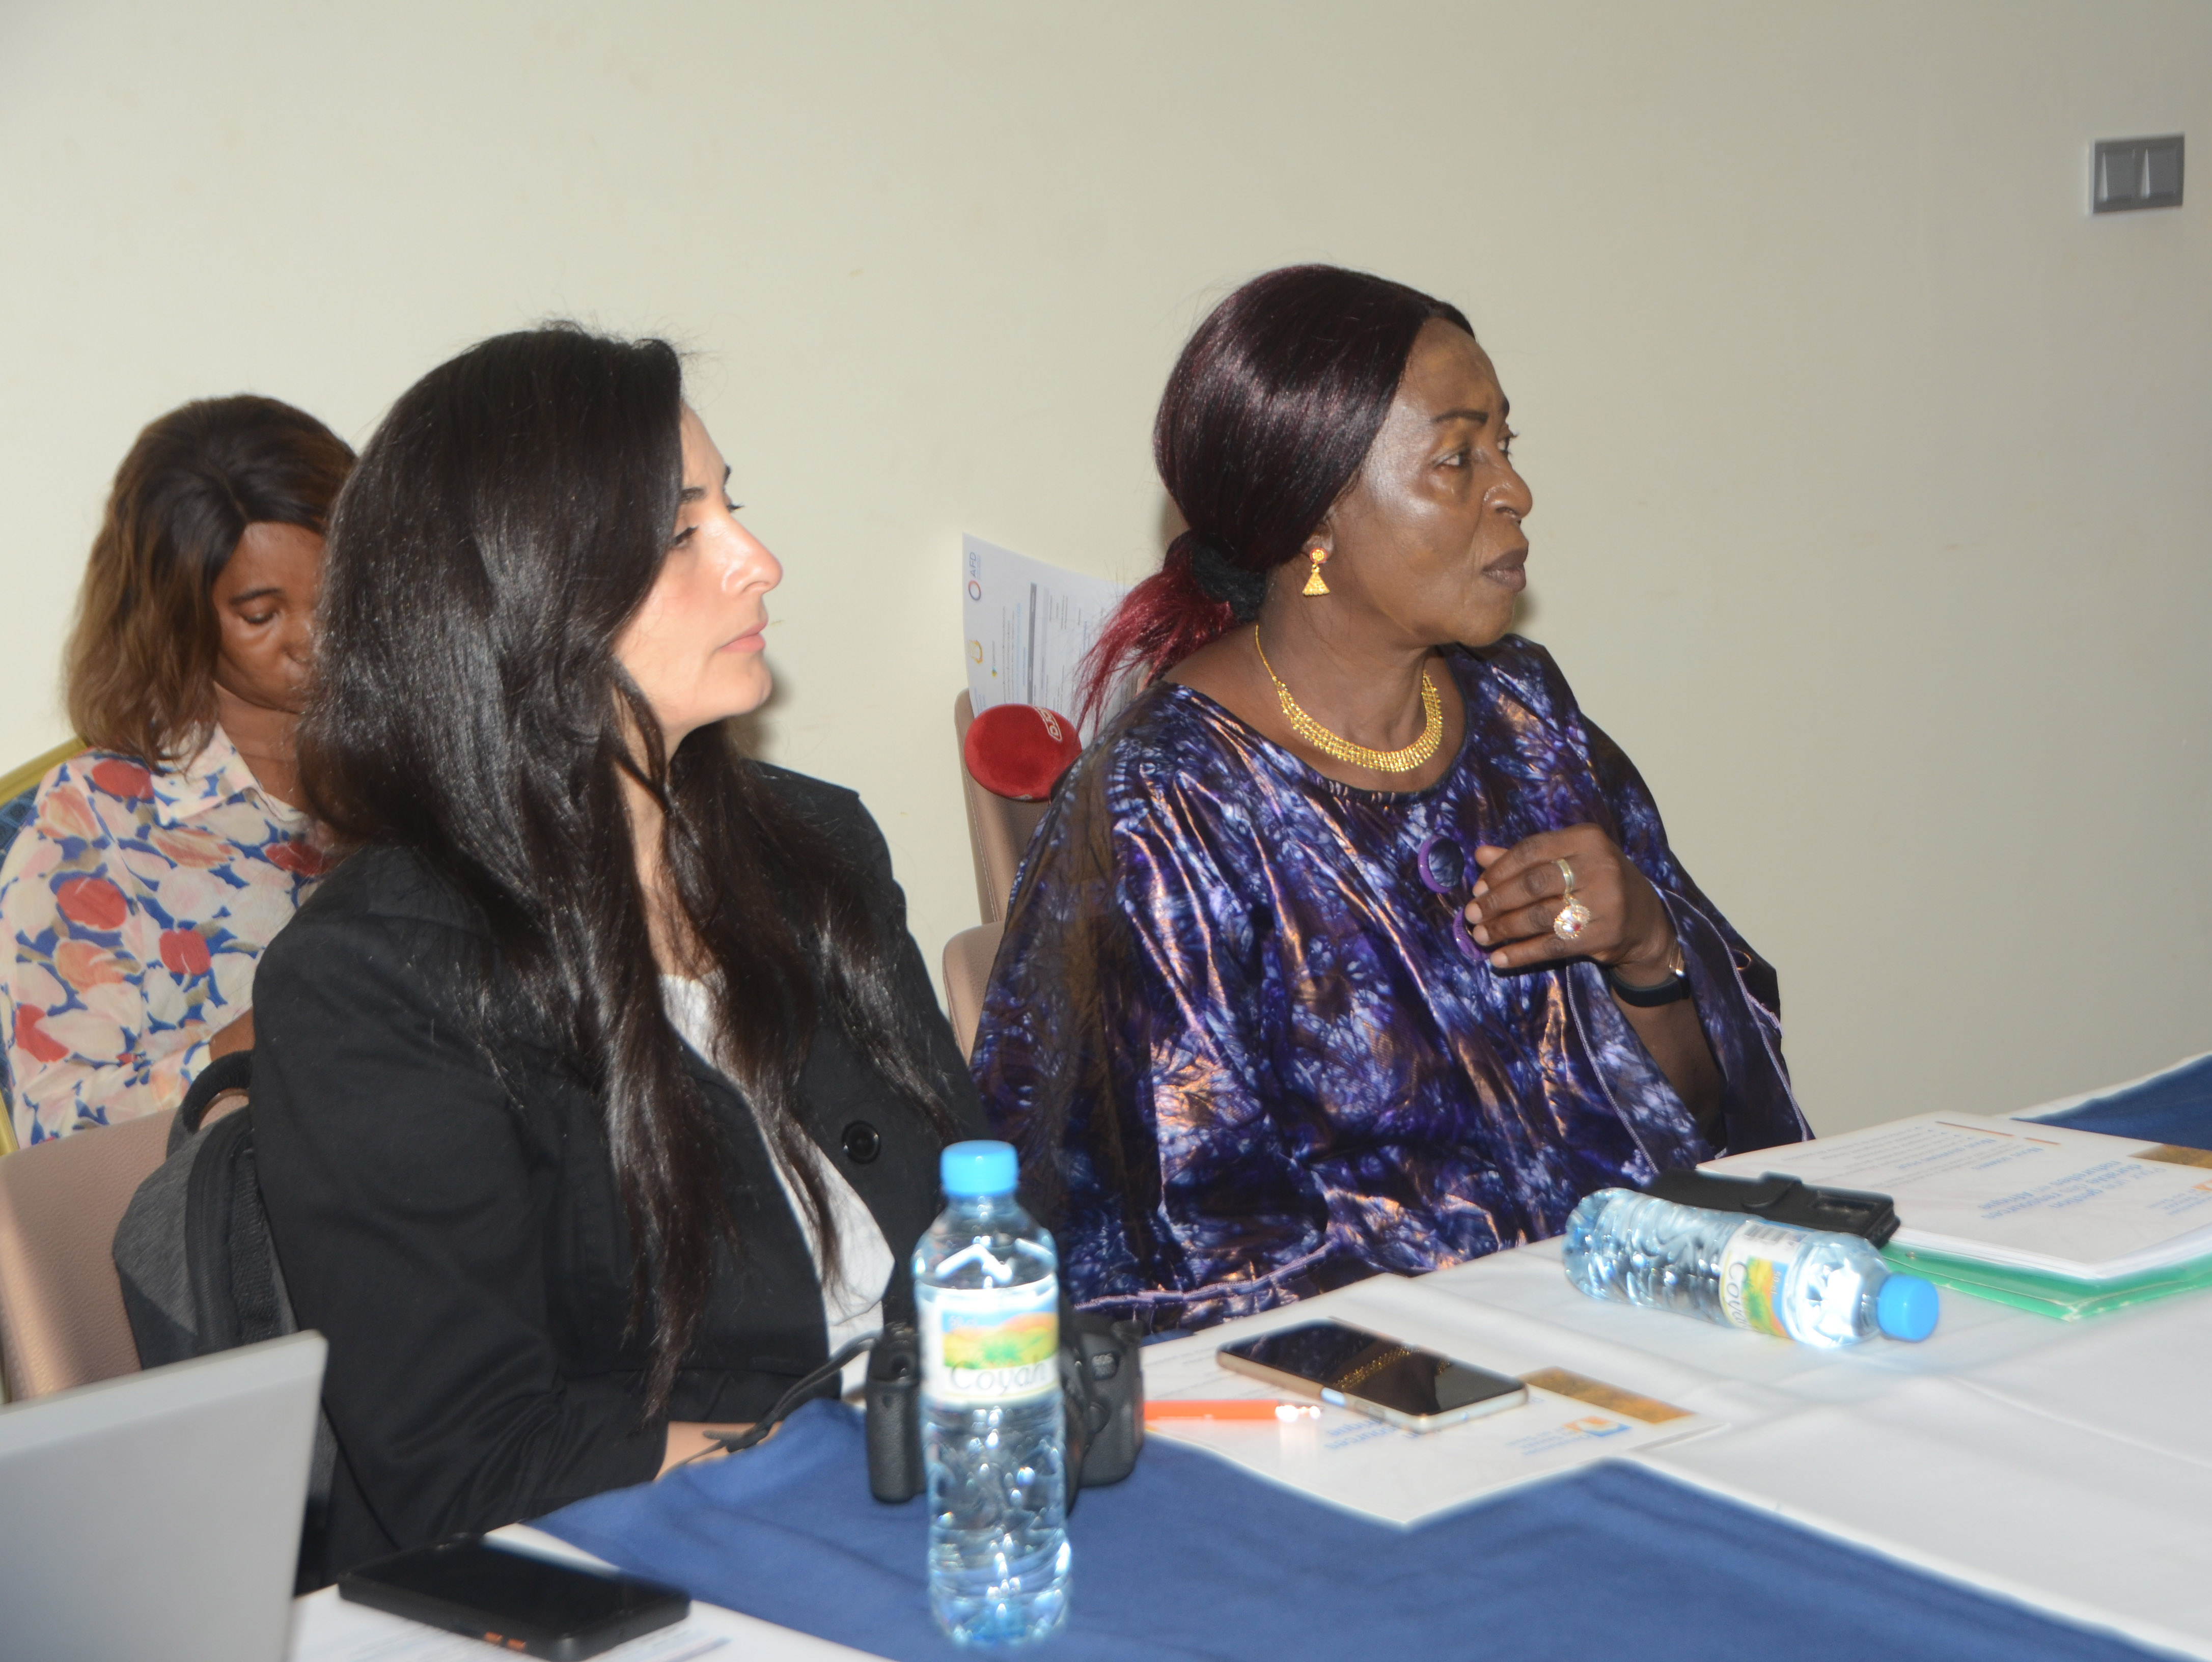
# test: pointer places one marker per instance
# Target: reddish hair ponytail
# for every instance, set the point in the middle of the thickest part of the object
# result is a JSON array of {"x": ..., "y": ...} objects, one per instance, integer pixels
[{"x": 1161, "y": 621}]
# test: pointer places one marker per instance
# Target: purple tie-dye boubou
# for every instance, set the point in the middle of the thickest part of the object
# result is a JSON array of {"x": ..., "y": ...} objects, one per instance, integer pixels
[{"x": 1244, "y": 1054}]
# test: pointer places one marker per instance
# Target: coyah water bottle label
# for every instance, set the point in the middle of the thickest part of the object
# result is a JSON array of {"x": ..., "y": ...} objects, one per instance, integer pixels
[
  {"x": 1755, "y": 1273},
  {"x": 989, "y": 1347}
]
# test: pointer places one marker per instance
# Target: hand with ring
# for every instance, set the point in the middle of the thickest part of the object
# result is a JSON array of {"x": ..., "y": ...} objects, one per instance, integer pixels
[{"x": 1570, "y": 894}]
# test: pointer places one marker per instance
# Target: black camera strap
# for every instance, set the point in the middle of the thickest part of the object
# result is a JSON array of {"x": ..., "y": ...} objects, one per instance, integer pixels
[
  {"x": 898, "y": 1310},
  {"x": 810, "y": 1382},
  {"x": 1102, "y": 1383}
]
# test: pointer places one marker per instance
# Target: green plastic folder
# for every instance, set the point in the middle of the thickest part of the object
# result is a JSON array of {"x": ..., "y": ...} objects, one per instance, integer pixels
[{"x": 2059, "y": 1296}]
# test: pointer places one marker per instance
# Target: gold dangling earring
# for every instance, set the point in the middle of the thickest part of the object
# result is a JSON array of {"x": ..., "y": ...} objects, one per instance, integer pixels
[{"x": 1313, "y": 585}]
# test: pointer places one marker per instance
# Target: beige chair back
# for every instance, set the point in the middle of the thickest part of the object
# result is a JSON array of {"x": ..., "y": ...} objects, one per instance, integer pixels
[
  {"x": 998, "y": 827},
  {"x": 18, "y": 780},
  {"x": 968, "y": 959},
  {"x": 61, "y": 1303}
]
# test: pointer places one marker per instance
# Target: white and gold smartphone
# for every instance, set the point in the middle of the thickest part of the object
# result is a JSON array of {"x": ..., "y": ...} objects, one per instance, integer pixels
[{"x": 1414, "y": 1390}]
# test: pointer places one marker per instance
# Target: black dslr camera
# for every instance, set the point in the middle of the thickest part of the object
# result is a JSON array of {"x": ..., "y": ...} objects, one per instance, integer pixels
[{"x": 1101, "y": 1381}]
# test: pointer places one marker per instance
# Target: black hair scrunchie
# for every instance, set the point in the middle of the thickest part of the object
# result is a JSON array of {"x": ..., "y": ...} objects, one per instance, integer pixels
[{"x": 1239, "y": 590}]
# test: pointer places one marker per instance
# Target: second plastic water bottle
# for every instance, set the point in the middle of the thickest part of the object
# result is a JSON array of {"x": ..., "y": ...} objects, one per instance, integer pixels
[
  {"x": 986, "y": 1297},
  {"x": 1804, "y": 1284}
]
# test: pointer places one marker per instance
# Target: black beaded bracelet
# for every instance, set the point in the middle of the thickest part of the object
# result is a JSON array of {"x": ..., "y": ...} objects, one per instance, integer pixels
[{"x": 1674, "y": 988}]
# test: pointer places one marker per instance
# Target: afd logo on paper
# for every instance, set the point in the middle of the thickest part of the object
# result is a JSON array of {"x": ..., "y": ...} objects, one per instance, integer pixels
[{"x": 1553, "y": 1438}]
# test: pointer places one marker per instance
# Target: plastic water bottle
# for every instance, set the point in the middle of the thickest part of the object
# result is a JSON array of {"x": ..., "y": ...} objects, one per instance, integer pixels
[
  {"x": 986, "y": 1297},
  {"x": 1804, "y": 1284}
]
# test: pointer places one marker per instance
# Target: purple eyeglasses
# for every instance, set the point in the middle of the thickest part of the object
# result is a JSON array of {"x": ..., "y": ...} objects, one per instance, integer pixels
[{"x": 1444, "y": 864}]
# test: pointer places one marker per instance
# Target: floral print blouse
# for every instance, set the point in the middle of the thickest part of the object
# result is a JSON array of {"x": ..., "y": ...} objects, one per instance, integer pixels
[{"x": 137, "y": 904}]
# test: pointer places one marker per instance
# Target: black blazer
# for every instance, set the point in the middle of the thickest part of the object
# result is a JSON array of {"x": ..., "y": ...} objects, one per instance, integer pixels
[{"x": 447, "y": 1218}]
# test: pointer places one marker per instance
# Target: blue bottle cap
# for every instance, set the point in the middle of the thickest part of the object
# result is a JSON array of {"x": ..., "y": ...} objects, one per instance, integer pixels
[
  {"x": 980, "y": 1168},
  {"x": 1906, "y": 1307}
]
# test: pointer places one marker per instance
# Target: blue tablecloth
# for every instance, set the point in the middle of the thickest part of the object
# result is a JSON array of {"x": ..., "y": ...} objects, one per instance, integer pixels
[
  {"x": 2174, "y": 1107},
  {"x": 1192, "y": 1558}
]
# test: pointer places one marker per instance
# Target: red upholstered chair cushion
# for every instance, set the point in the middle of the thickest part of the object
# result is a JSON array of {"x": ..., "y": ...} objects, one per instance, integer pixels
[{"x": 1020, "y": 750}]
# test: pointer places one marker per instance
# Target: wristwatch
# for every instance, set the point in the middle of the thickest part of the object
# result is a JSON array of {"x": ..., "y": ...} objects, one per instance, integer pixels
[{"x": 1676, "y": 986}]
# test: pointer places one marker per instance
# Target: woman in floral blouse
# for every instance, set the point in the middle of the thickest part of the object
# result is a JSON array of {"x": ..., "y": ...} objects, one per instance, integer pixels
[{"x": 159, "y": 863}]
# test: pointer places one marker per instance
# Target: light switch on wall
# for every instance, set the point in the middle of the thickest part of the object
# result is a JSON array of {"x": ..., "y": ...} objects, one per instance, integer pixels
[{"x": 2136, "y": 172}]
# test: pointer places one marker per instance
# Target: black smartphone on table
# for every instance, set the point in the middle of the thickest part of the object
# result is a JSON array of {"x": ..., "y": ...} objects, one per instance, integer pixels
[
  {"x": 530, "y": 1605},
  {"x": 1414, "y": 1390}
]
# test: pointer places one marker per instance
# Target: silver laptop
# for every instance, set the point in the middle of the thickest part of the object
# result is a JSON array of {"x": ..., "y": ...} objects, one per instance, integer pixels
[{"x": 158, "y": 1515}]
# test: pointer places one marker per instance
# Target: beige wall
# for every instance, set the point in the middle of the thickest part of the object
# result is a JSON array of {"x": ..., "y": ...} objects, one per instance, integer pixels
[{"x": 1872, "y": 508}]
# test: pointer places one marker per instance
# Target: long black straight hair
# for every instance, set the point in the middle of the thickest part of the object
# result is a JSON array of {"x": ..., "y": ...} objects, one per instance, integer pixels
[{"x": 507, "y": 520}]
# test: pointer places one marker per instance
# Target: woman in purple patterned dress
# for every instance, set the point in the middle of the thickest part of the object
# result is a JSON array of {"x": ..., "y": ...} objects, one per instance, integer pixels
[
  {"x": 1351, "y": 946},
  {"x": 159, "y": 863}
]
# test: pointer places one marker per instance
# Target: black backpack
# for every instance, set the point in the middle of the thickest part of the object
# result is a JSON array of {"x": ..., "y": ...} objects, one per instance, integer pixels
[{"x": 199, "y": 1272}]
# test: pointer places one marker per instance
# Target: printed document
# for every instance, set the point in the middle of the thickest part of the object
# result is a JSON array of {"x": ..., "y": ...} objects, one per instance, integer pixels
[
  {"x": 2015, "y": 1193},
  {"x": 1399, "y": 1477},
  {"x": 1029, "y": 627}
]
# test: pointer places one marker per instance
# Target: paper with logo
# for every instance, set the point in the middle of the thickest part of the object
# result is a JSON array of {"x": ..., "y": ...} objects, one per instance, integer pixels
[
  {"x": 2017, "y": 1194},
  {"x": 1027, "y": 626},
  {"x": 989, "y": 1347},
  {"x": 1404, "y": 1477}
]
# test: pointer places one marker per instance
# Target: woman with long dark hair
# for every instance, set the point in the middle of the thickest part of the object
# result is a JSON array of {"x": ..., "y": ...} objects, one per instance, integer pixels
[
  {"x": 1352, "y": 945},
  {"x": 597, "y": 1091},
  {"x": 159, "y": 863}
]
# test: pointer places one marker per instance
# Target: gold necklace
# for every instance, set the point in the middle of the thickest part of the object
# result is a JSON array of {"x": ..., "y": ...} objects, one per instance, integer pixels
[{"x": 1343, "y": 749}]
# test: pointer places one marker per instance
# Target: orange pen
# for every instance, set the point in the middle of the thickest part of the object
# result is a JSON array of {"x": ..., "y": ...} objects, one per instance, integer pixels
[{"x": 1232, "y": 1408}]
